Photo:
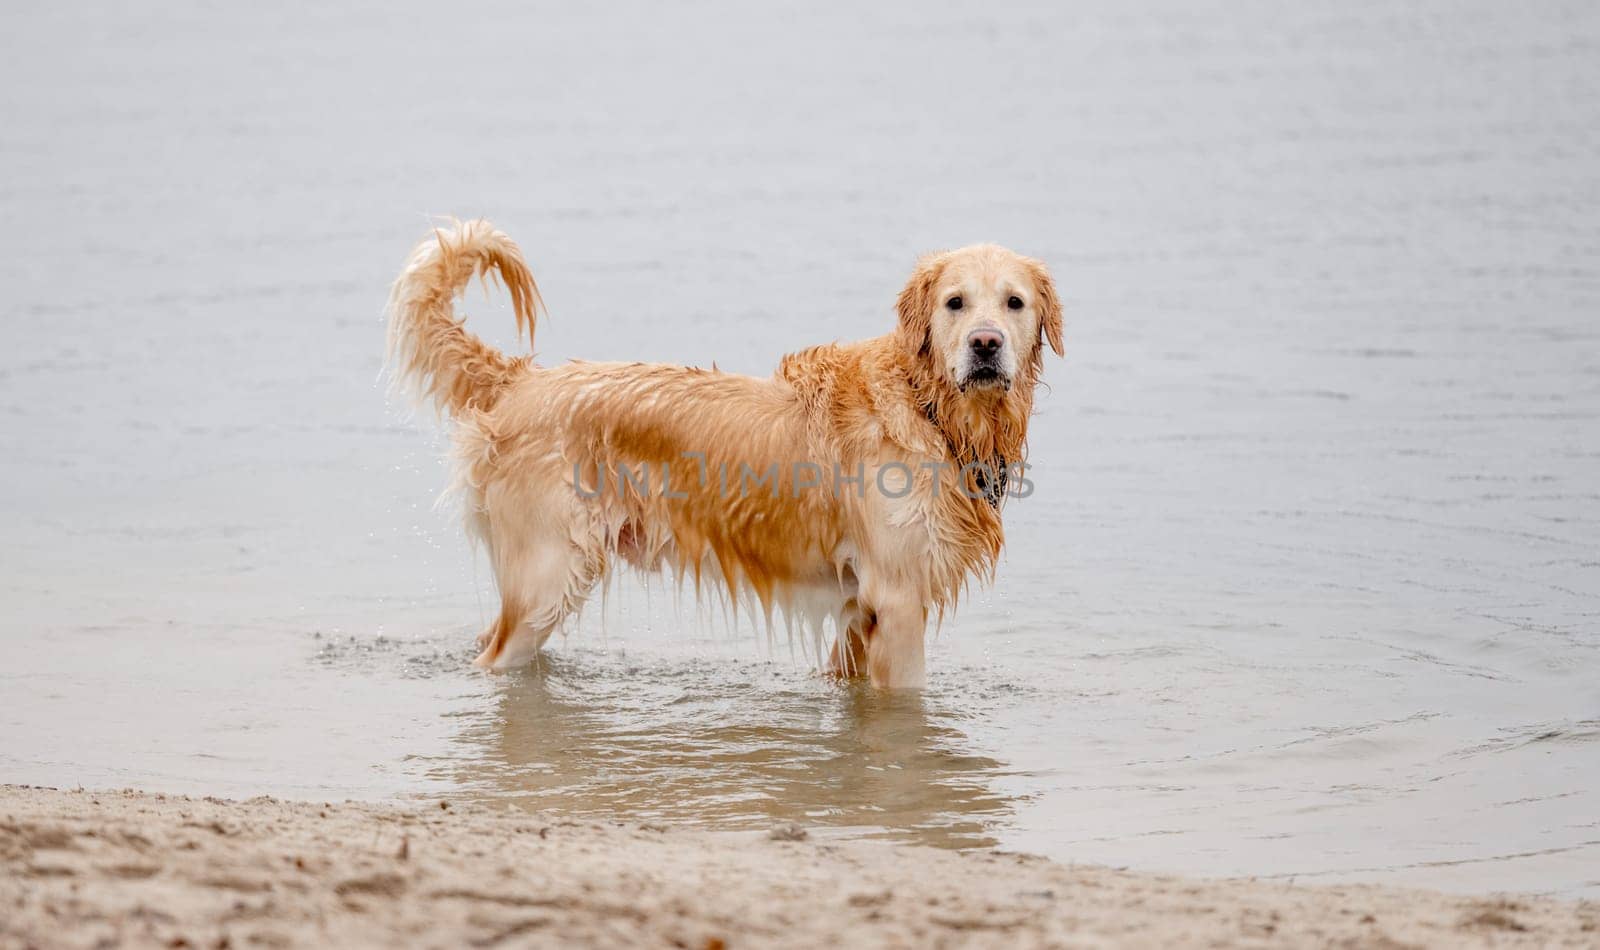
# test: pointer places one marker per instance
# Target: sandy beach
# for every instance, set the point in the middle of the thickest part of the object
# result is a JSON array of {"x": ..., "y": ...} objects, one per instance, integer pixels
[{"x": 123, "y": 868}]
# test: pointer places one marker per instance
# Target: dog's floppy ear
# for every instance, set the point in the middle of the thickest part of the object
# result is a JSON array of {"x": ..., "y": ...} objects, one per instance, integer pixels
[
  {"x": 1049, "y": 306},
  {"x": 915, "y": 304}
]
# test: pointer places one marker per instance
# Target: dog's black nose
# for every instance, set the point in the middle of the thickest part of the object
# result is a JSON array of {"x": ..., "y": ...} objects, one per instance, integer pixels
[{"x": 985, "y": 342}]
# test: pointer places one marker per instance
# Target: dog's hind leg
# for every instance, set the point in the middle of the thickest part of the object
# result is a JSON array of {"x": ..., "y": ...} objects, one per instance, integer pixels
[
  {"x": 493, "y": 640},
  {"x": 547, "y": 559},
  {"x": 534, "y": 601}
]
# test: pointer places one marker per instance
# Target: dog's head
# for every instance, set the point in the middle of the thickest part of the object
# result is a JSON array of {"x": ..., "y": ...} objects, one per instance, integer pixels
[{"x": 978, "y": 318}]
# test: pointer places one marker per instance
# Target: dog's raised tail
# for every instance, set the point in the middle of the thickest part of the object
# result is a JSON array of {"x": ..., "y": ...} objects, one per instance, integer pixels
[{"x": 430, "y": 351}]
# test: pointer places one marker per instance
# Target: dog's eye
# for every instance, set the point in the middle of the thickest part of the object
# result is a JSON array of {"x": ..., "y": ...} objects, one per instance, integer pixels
[
  {"x": 954, "y": 303},
  {"x": 1015, "y": 303}
]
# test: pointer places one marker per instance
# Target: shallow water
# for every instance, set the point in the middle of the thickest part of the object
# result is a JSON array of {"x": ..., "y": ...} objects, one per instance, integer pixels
[{"x": 1310, "y": 586}]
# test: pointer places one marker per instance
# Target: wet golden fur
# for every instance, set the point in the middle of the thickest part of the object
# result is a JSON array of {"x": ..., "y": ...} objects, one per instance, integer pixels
[{"x": 875, "y": 565}]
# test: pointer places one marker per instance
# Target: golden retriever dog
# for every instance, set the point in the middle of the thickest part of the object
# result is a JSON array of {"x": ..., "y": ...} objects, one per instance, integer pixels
[{"x": 861, "y": 484}]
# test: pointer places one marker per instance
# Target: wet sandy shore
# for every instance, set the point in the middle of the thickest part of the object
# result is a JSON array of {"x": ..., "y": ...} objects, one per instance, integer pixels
[{"x": 84, "y": 868}]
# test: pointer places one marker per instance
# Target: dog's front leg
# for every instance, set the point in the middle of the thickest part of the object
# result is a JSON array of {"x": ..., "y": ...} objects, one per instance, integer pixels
[{"x": 895, "y": 653}]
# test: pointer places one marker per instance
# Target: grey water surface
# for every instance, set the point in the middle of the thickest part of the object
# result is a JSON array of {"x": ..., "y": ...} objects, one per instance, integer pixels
[{"x": 1310, "y": 584}]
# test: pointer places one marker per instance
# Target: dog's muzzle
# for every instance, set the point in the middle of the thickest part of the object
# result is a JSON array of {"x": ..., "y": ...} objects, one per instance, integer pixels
[{"x": 985, "y": 364}]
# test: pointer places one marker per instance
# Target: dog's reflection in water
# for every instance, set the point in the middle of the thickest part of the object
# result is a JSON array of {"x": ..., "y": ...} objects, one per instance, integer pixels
[{"x": 588, "y": 736}]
